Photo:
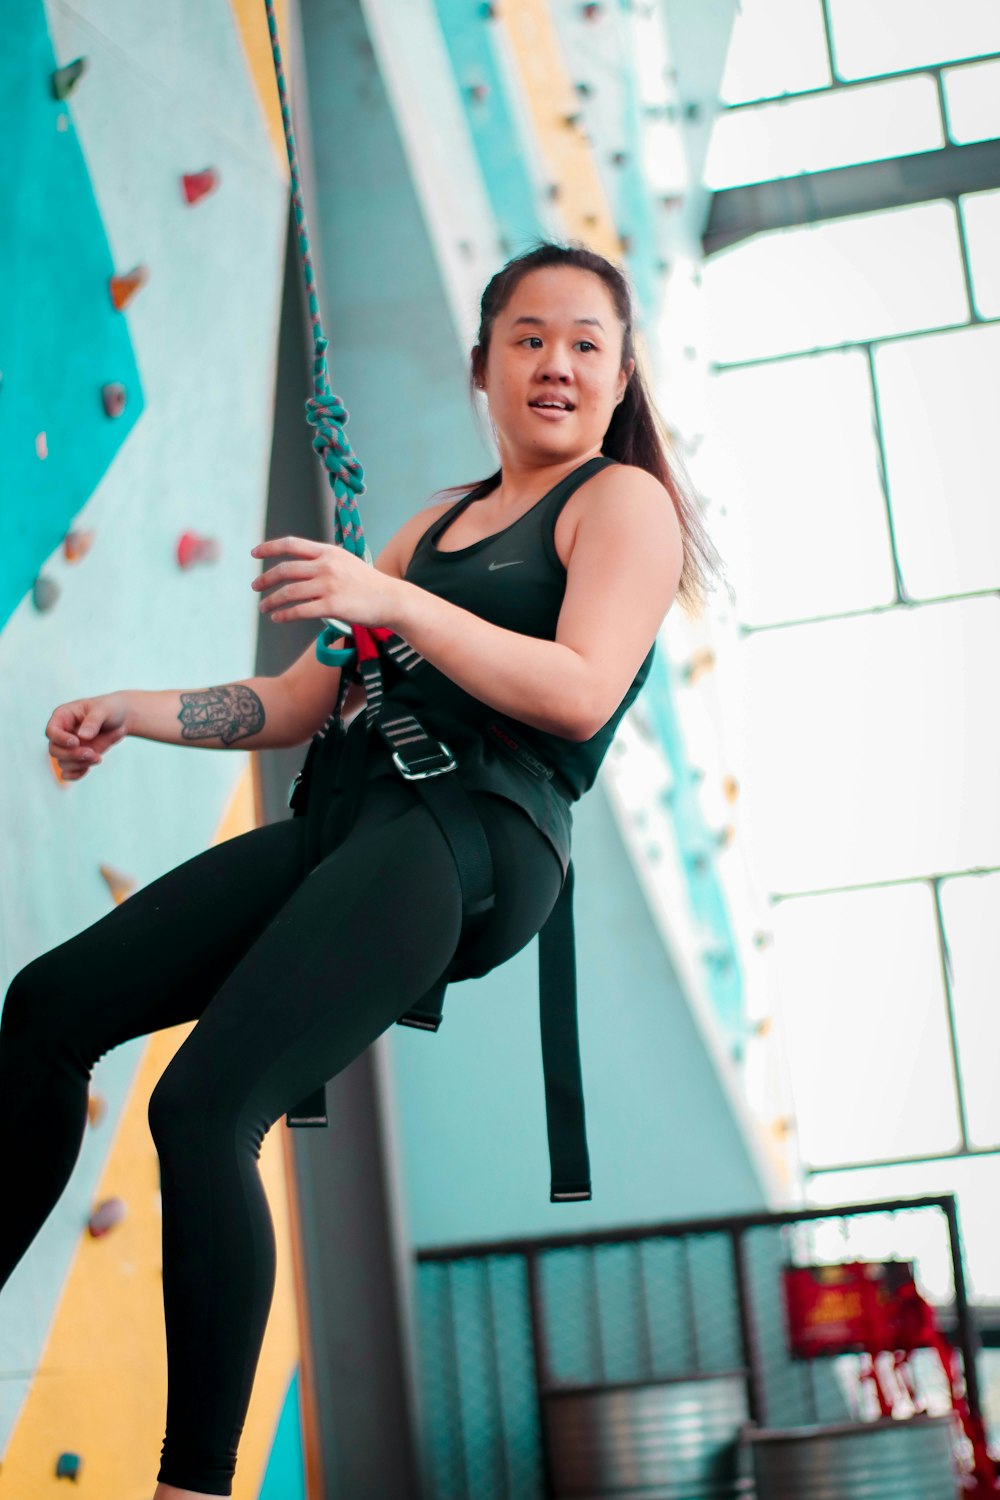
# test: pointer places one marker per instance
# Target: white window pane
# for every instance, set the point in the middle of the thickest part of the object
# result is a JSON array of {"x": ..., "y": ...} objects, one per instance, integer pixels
[
  {"x": 878, "y": 36},
  {"x": 971, "y": 912},
  {"x": 859, "y": 983},
  {"x": 938, "y": 398},
  {"x": 857, "y": 278},
  {"x": 981, "y": 212},
  {"x": 801, "y": 538},
  {"x": 975, "y": 1181},
  {"x": 869, "y": 746},
  {"x": 973, "y": 98},
  {"x": 777, "y": 46},
  {"x": 868, "y": 123}
]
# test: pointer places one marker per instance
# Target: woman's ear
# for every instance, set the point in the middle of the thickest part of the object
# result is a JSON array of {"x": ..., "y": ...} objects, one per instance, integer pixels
[{"x": 624, "y": 376}]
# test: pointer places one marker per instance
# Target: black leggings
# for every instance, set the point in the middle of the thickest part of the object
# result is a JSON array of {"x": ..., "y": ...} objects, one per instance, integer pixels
[{"x": 290, "y": 973}]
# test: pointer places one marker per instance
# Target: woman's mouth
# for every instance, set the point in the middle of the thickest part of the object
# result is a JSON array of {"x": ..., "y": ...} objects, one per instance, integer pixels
[{"x": 553, "y": 408}]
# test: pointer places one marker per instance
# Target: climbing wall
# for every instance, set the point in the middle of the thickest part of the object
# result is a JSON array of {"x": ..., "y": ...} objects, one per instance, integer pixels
[{"x": 145, "y": 203}]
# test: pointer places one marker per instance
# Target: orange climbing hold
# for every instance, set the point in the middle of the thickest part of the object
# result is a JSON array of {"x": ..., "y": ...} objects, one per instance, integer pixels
[
  {"x": 121, "y": 886},
  {"x": 192, "y": 548},
  {"x": 198, "y": 185},
  {"x": 124, "y": 288},
  {"x": 113, "y": 398},
  {"x": 97, "y": 1108},
  {"x": 105, "y": 1216},
  {"x": 77, "y": 544}
]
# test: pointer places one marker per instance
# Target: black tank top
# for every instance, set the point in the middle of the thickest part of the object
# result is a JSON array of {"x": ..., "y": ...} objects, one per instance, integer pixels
[{"x": 514, "y": 579}]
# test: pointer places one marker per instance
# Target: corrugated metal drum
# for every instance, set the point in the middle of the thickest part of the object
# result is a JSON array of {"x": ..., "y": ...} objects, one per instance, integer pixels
[
  {"x": 663, "y": 1440},
  {"x": 886, "y": 1460}
]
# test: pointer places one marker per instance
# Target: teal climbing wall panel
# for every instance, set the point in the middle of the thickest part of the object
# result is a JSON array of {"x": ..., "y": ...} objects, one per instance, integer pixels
[{"x": 61, "y": 339}]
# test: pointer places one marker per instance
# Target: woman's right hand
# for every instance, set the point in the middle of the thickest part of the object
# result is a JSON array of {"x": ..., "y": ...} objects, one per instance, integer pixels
[{"x": 80, "y": 732}]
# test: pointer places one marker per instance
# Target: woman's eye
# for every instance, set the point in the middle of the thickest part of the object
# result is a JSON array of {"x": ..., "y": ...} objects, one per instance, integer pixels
[{"x": 588, "y": 343}]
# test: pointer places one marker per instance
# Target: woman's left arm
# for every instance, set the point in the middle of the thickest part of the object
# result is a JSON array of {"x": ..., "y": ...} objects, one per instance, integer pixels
[{"x": 622, "y": 576}]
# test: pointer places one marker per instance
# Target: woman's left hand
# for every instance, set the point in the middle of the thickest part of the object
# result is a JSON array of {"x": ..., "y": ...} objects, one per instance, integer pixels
[{"x": 323, "y": 581}]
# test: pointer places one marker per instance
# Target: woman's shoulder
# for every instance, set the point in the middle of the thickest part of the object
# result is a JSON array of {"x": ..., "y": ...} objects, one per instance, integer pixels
[
  {"x": 619, "y": 495},
  {"x": 620, "y": 478}
]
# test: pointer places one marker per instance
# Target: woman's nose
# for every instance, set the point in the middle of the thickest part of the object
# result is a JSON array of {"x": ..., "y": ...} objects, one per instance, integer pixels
[{"x": 555, "y": 367}]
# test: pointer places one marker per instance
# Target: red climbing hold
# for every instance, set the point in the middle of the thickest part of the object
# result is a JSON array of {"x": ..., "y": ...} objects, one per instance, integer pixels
[
  {"x": 68, "y": 1466},
  {"x": 77, "y": 544},
  {"x": 65, "y": 80},
  {"x": 124, "y": 288},
  {"x": 113, "y": 398},
  {"x": 198, "y": 185},
  {"x": 105, "y": 1216},
  {"x": 192, "y": 548}
]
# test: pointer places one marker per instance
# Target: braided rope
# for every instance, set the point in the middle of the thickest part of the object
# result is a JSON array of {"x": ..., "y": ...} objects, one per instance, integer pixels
[{"x": 324, "y": 411}]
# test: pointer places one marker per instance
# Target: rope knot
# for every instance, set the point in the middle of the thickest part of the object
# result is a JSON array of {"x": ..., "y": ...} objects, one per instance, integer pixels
[{"x": 328, "y": 414}]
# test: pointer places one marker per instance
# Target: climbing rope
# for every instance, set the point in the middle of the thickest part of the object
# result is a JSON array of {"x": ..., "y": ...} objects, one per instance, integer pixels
[{"x": 324, "y": 411}]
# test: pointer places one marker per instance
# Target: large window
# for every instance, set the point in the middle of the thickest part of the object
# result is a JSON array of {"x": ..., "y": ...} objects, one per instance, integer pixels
[{"x": 851, "y": 454}]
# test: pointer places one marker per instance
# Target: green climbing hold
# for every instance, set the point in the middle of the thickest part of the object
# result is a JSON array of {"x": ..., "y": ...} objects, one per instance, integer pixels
[
  {"x": 44, "y": 593},
  {"x": 65, "y": 80}
]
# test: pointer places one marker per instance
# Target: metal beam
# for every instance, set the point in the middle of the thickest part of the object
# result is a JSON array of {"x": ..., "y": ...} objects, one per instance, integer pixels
[{"x": 737, "y": 213}]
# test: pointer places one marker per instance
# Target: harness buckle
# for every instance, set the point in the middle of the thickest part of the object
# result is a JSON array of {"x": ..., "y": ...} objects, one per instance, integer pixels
[{"x": 434, "y": 763}]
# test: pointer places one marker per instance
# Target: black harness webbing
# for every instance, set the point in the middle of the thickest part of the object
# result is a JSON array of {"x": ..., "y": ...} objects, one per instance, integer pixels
[{"x": 335, "y": 782}]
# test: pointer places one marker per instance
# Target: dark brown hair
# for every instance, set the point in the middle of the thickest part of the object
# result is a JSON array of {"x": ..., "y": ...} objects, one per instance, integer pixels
[{"x": 636, "y": 434}]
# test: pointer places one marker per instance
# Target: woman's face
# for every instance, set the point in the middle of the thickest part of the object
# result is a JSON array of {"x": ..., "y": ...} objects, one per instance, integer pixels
[{"x": 553, "y": 373}]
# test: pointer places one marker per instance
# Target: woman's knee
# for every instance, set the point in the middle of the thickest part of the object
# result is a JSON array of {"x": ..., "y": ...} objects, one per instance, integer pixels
[
  {"x": 189, "y": 1115},
  {"x": 173, "y": 1113},
  {"x": 29, "y": 1007}
]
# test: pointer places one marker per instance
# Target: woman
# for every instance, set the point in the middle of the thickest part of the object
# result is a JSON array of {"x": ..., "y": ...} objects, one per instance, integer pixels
[{"x": 534, "y": 602}]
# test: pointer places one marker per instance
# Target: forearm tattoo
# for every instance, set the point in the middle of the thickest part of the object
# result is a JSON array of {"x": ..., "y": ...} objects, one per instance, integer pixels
[{"x": 229, "y": 713}]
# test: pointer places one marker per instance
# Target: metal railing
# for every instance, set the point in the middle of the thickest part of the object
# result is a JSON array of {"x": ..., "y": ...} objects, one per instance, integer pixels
[{"x": 504, "y": 1325}]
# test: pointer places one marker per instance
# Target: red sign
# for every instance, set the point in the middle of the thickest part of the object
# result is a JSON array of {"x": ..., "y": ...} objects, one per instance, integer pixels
[{"x": 847, "y": 1309}]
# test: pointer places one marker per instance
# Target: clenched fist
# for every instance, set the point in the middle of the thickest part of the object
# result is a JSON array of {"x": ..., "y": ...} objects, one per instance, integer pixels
[{"x": 80, "y": 732}]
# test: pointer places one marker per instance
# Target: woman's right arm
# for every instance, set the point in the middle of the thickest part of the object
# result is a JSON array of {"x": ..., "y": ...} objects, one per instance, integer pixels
[{"x": 259, "y": 713}]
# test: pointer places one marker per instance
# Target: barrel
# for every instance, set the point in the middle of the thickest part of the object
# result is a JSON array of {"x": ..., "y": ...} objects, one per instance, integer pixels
[
  {"x": 908, "y": 1459},
  {"x": 661, "y": 1440}
]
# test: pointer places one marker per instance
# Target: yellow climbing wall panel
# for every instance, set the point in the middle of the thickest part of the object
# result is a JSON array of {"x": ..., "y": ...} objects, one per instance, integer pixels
[
  {"x": 101, "y": 1388},
  {"x": 252, "y": 23},
  {"x": 551, "y": 99}
]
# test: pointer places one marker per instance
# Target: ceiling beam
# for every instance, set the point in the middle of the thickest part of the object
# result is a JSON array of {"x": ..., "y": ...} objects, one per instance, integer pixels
[{"x": 739, "y": 212}]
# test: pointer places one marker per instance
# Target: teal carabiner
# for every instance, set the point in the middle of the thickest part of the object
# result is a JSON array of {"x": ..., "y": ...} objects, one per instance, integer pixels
[{"x": 330, "y": 655}]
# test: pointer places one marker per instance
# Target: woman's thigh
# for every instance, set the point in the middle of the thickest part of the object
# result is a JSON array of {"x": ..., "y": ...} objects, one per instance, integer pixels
[
  {"x": 158, "y": 958},
  {"x": 371, "y": 929},
  {"x": 368, "y": 931}
]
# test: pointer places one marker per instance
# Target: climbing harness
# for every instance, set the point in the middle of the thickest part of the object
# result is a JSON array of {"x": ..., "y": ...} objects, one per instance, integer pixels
[{"x": 335, "y": 779}]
